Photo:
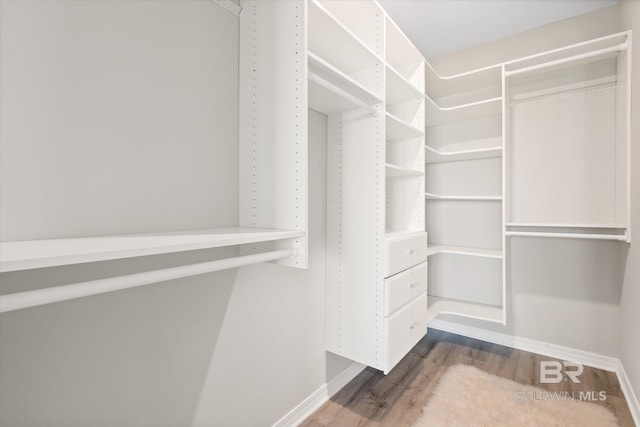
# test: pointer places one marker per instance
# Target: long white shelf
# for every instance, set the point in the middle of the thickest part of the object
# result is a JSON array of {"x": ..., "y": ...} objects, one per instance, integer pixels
[
  {"x": 432, "y": 196},
  {"x": 398, "y": 129},
  {"x": 472, "y": 310},
  {"x": 30, "y": 254},
  {"x": 399, "y": 89},
  {"x": 332, "y": 91},
  {"x": 434, "y": 155},
  {"x": 459, "y": 250},
  {"x": 394, "y": 171}
]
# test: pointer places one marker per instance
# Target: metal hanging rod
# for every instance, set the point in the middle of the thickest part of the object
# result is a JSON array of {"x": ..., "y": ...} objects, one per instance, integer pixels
[
  {"x": 342, "y": 93},
  {"x": 617, "y": 237},
  {"x": 44, "y": 296},
  {"x": 617, "y": 48}
]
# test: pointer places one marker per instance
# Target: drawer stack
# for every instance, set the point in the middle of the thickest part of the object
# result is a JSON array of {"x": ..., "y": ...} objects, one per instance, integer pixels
[{"x": 405, "y": 308}]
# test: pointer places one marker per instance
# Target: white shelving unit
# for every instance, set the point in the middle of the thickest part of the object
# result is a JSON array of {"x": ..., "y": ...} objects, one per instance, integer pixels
[
  {"x": 464, "y": 145},
  {"x": 375, "y": 187},
  {"x": 523, "y": 112},
  {"x": 272, "y": 195},
  {"x": 587, "y": 86}
]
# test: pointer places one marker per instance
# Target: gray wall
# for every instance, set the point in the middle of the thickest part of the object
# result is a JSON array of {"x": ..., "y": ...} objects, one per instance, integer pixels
[
  {"x": 122, "y": 117},
  {"x": 630, "y": 302}
]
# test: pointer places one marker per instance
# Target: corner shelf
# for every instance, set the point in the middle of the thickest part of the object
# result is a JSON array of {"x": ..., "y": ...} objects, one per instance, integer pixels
[
  {"x": 438, "y": 115},
  {"x": 31, "y": 254},
  {"x": 398, "y": 129},
  {"x": 434, "y": 155},
  {"x": 399, "y": 89},
  {"x": 332, "y": 91},
  {"x": 459, "y": 250},
  {"x": 471, "y": 310},
  {"x": 432, "y": 196},
  {"x": 394, "y": 171}
]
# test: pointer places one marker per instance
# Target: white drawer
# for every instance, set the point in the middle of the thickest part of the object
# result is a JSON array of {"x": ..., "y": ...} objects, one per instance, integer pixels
[
  {"x": 404, "y": 329},
  {"x": 405, "y": 252},
  {"x": 403, "y": 287}
]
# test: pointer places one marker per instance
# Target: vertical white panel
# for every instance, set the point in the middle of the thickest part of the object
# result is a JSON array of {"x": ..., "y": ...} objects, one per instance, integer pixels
[
  {"x": 273, "y": 119},
  {"x": 356, "y": 235},
  {"x": 563, "y": 159}
]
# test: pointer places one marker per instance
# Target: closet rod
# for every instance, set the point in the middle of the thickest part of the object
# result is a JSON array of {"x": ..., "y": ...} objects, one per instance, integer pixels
[
  {"x": 44, "y": 296},
  {"x": 343, "y": 93},
  {"x": 617, "y": 48},
  {"x": 619, "y": 237}
]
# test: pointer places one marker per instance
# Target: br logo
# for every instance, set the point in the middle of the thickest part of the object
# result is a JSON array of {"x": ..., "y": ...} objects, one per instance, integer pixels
[{"x": 553, "y": 372}]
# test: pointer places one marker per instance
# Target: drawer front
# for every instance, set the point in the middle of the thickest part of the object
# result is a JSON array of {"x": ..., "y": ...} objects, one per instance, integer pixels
[
  {"x": 397, "y": 291},
  {"x": 398, "y": 336},
  {"x": 405, "y": 253},
  {"x": 403, "y": 287},
  {"x": 404, "y": 329},
  {"x": 419, "y": 317}
]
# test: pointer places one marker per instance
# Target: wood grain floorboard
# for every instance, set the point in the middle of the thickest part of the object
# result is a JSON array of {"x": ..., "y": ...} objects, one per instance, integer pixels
[{"x": 396, "y": 400}]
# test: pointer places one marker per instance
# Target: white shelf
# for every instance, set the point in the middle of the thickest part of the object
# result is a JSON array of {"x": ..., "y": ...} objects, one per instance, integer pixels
[
  {"x": 459, "y": 250},
  {"x": 332, "y": 91},
  {"x": 438, "y": 115},
  {"x": 432, "y": 196},
  {"x": 434, "y": 155},
  {"x": 472, "y": 310},
  {"x": 398, "y": 129},
  {"x": 394, "y": 171},
  {"x": 30, "y": 254},
  {"x": 400, "y": 234},
  {"x": 399, "y": 89},
  {"x": 330, "y": 39},
  {"x": 446, "y": 85}
]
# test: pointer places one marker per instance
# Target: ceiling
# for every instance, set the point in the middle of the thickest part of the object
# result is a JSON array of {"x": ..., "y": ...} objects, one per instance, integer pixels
[{"x": 441, "y": 27}]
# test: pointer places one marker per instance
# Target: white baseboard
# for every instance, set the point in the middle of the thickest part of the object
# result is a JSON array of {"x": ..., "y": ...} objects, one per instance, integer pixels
[
  {"x": 298, "y": 414},
  {"x": 629, "y": 394},
  {"x": 594, "y": 360}
]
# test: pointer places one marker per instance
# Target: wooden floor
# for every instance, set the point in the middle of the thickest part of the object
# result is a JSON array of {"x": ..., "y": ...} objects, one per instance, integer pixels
[{"x": 372, "y": 399}]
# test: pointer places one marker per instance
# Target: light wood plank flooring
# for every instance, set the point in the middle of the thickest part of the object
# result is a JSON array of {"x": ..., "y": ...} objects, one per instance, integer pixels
[{"x": 396, "y": 400}]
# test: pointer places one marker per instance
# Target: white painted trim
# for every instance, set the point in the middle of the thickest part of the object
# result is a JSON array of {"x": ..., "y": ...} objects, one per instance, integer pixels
[
  {"x": 594, "y": 360},
  {"x": 298, "y": 414},
  {"x": 229, "y": 6},
  {"x": 629, "y": 394},
  {"x": 539, "y": 347}
]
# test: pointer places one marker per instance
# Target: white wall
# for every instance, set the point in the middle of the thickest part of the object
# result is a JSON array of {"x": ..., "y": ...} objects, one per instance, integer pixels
[
  {"x": 122, "y": 117},
  {"x": 565, "y": 292},
  {"x": 630, "y": 301}
]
